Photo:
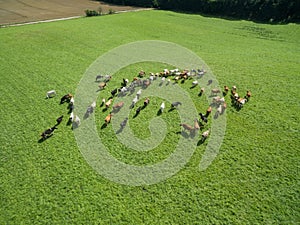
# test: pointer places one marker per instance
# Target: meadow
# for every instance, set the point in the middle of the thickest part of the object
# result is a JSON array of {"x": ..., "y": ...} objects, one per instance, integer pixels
[{"x": 254, "y": 178}]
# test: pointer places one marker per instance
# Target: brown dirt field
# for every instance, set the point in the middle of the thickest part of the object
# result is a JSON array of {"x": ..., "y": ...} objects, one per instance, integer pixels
[{"x": 22, "y": 11}]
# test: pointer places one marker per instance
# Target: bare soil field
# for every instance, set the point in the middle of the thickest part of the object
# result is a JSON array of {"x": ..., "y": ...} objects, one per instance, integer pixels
[{"x": 22, "y": 11}]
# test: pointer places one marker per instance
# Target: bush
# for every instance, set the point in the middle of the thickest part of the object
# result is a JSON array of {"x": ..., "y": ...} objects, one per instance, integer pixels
[
  {"x": 89, "y": 13},
  {"x": 111, "y": 11}
]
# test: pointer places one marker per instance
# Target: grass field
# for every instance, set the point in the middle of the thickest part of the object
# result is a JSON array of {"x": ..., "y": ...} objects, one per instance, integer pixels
[{"x": 253, "y": 180}]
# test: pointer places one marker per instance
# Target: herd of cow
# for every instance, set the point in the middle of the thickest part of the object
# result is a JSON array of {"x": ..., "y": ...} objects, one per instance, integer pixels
[{"x": 141, "y": 82}]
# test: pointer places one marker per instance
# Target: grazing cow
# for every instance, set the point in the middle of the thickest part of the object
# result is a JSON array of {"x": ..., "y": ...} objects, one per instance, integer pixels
[
  {"x": 103, "y": 102},
  {"x": 205, "y": 135},
  {"x": 134, "y": 101},
  {"x": 220, "y": 109},
  {"x": 241, "y": 102},
  {"x": 168, "y": 81},
  {"x": 233, "y": 90},
  {"x": 196, "y": 124},
  {"x": 248, "y": 95},
  {"x": 139, "y": 92},
  {"x": 216, "y": 99},
  {"x": 201, "y": 91},
  {"x": 209, "y": 82},
  {"x": 226, "y": 89},
  {"x": 194, "y": 83},
  {"x": 114, "y": 92},
  {"x": 146, "y": 102},
  {"x": 162, "y": 107},
  {"x": 108, "y": 118},
  {"x": 175, "y": 104},
  {"x": 142, "y": 73},
  {"x": 71, "y": 107},
  {"x": 72, "y": 100},
  {"x": 107, "y": 78},
  {"x": 47, "y": 133},
  {"x": 215, "y": 91},
  {"x": 146, "y": 83},
  {"x": 118, "y": 106},
  {"x": 71, "y": 117},
  {"x": 89, "y": 111},
  {"x": 102, "y": 85},
  {"x": 59, "y": 119},
  {"x": 99, "y": 77},
  {"x": 123, "y": 91},
  {"x": 203, "y": 118},
  {"x": 108, "y": 103},
  {"x": 174, "y": 71},
  {"x": 125, "y": 82},
  {"x": 93, "y": 105},
  {"x": 224, "y": 107},
  {"x": 65, "y": 98},
  {"x": 76, "y": 122},
  {"x": 51, "y": 94},
  {"x": 208, "y": 111},
  {"x": 187, "y": 127},
  {"x": 123, "y": 123}
]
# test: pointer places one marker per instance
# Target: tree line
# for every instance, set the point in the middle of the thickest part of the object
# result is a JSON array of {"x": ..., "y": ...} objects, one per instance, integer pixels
[{"x": 259, "y": 10}]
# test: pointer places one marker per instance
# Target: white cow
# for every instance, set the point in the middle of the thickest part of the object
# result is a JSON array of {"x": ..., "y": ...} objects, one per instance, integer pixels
[{"x": 51, "y": 94}]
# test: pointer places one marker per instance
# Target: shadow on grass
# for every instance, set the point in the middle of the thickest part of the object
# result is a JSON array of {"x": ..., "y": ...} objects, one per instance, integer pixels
[
  {"x": 103, "y": 126},
  {"x": 41, "y": 140},
  {"x": 159, "y": 112}
]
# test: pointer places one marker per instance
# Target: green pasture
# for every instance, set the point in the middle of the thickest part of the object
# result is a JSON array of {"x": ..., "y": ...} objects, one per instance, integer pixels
[{"x": 253, "y": 180}]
